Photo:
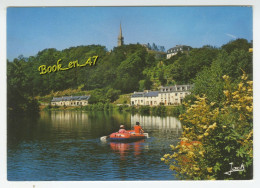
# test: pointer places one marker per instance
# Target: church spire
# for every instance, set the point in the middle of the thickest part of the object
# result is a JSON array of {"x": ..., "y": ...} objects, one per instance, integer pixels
[{"x": 120, "y": 41}]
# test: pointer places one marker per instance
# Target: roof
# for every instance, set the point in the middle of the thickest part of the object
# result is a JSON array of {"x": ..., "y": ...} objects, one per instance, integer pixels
[
  {"x": 138, "y": 94},
  {"x": 145, "y": 94},
  {"x": 70, "y": 98},
  {"x": 184, "y": 47},
  {"x": 175, "y": 88},
  {"x": 151, "y": 94}
]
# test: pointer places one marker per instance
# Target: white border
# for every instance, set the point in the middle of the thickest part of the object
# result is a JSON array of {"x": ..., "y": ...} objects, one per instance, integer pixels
[{"x": 66, "y": 184}]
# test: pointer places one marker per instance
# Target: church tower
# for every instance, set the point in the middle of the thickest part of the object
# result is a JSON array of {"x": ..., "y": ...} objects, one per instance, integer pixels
[{"x": 120, "y": 40}]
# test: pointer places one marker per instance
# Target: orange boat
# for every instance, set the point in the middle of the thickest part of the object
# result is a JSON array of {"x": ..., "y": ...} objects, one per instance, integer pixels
[{"x": 130, "y": 135}]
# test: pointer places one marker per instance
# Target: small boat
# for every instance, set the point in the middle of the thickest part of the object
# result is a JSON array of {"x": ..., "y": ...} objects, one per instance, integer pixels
[{"x": 128, "y": 136}]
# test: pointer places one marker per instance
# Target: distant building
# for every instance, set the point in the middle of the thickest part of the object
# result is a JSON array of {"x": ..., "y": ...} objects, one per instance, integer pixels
[
  {"x": 145, "y": 98},
  {"x": 70, "y": 101},
  {"x": 120, "y": 40},
  {"x": 178, "y": 48},
  {"x": 170, "y": 95},
  {"x": 174, "y": 95}
]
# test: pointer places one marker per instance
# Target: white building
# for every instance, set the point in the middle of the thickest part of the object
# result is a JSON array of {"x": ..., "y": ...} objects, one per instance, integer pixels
[
  {"x": 170, "y": 95},
  {"x": 145, "y": 98},
  {"x": 70, "y": 101},
  {"x": 178, "y": 48},
  {"x": 173, "y": 95}
]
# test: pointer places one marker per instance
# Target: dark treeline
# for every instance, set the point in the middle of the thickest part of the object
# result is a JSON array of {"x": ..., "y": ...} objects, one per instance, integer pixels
[{"x": 125, "y": 69}]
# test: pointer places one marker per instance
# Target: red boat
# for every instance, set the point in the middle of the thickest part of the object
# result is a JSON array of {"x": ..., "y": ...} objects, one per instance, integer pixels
[{"x": 129, "y": 135}]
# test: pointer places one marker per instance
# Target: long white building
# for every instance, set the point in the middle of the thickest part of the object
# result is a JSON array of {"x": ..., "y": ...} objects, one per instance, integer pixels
[
  {"x": 170, "y": 95},
  {"x": 70, "y": 101}
]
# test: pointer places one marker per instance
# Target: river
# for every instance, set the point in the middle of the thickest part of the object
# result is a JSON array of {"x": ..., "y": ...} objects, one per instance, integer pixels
[{"x": 66, "y": 146}]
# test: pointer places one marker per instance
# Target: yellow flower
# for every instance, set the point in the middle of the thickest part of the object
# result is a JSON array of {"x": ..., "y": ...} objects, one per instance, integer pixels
[
  {"x": 225, "y": 77},
  {"x": 226, "y": 92},
  {"x": 200, "y": 137},
  {"x": 195, "y": 168},
  {"x": 214, "y": 125},
  {"x": 162, "y": 159},
  {"x": 206, "y": 134},
  {"x": 209, "y": 169},
  {"x": 190, "y": 153},
  {"x": 212, "y": 103},
  {"x": 244, "y": 77},
  {"x": 166, "y": 155}
]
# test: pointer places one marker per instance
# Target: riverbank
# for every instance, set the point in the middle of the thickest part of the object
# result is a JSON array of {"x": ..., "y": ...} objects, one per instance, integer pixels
[{"x": 144, "y": 110}]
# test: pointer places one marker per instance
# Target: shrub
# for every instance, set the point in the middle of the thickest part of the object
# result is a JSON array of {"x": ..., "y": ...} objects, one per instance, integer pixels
[{"x": 215, "y": 135}]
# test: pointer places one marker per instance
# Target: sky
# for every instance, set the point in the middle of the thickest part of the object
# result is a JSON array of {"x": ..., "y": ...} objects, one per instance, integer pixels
[{"x": 30, "y": 30}]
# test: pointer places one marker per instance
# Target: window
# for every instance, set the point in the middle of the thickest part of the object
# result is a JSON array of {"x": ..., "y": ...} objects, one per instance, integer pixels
[{"x": 176, "y": 94}]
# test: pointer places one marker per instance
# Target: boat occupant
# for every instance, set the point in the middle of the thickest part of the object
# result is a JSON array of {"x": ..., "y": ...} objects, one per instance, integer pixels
[
  {"x": 138, "y": 128},
  {"x": 122, "y": 129}
]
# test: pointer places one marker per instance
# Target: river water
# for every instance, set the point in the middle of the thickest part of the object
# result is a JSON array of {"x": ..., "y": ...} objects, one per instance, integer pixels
[{"x": 66, "y": 146}]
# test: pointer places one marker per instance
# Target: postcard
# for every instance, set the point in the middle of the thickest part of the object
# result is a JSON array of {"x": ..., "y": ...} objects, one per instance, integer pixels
[{"x": 129, "y": 93}]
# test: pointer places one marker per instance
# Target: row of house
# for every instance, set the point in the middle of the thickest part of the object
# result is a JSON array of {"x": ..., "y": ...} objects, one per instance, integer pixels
[
  {"x": 70, "y": 101},
  {"x": 171, "y": 95}
]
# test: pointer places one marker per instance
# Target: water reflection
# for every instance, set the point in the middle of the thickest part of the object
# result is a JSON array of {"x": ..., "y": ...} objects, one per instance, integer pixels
[
  {"x": 166, "y": 124},
  {"x": 124, "y": 148},
  {"x": 65, "y": 145},
  {"x": 68, "y": 119}
]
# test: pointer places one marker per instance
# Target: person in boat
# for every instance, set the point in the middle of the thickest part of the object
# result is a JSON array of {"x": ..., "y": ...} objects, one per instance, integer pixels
[
  {"x": 122, "y": 129},
  {"x": 138, "y": 128}
]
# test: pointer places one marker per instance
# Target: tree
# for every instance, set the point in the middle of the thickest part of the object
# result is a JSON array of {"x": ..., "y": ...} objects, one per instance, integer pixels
[
  {"x": 185, "y": 67},
  {"x": 215, "y": 135},
  {"x": 210, "y": 82},
  {"x": 238, "y": 44}
]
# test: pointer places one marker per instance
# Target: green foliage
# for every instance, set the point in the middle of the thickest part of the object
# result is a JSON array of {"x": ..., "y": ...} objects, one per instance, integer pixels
[
  {"x": 178, "y": 110},
  {"x": 186, "y": 67},
  {"x": 20, "y": 96},
  {"x": 158, "y": 110},
  {"x": 103, "y": 95},
  {"x": 144, "y": 110},
  {"x": 98, "y": 107},
  {"x": 238, "y": 44},
  {"x": 126, "y": 69},
  {"x": 215, "y": 135},
  {"x": 209, "y": 81}
]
